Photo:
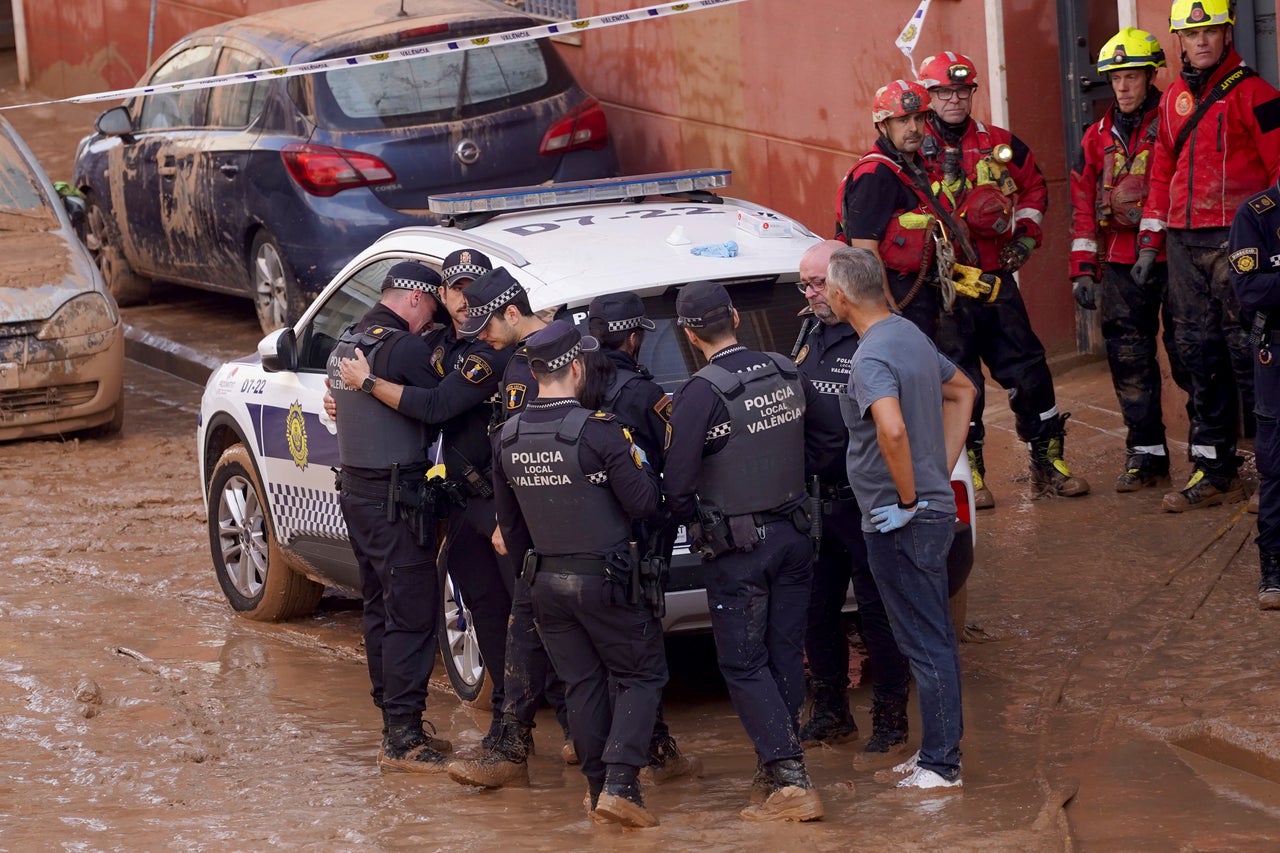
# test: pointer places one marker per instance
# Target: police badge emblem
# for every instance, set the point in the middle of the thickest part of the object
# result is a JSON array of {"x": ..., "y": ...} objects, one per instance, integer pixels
[
  {"x": 1244, "y": 261},
  {"x": 515, "y": 395},
  {"x": 295, "y": 430},
  {"x": 804, "y": 352}
]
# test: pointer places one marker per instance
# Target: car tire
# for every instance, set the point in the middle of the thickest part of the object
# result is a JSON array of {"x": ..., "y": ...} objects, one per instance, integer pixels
[
  {"x": 271, "y": 282},
  {"x": 103, "y": 241},
  {"x": 255, "y": 577},
  {"x": 459, "y": 648}
]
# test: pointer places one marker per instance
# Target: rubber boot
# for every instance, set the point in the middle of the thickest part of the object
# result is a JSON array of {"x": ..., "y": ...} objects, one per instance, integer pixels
[
  {"x": 506, "y": 764},
  {"x": 793, "y": 796},
  {"x": 620, "y": 801},
  {"x": 829, "y": 720},
  {"x": 1269, "y": 586},
  {"x": 1142, "y": 470},
  {"x": 667, "y": 762},
  {"x": 1050, "y": 475},
  {"x": 888, "y": 727},
  {"x": 982, "y": 497},
  {"x": 406, "y": 748},
  {"x": 1204, "y": 490}
]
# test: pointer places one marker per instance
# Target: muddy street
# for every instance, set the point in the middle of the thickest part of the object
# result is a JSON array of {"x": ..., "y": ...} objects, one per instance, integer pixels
[{"x": 1125, "y": 697}]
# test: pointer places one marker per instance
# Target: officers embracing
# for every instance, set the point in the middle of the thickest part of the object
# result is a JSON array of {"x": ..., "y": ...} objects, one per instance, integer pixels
[
  {"x": 735, "y": 472},
  {"x": 1255, "y": 277},
  {"x": 384, "y": 462},
  {"x": 568, "y": 485}
]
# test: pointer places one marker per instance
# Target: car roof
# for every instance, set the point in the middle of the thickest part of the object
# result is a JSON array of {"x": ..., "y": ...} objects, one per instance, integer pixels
[
  {"x": 310, "y": 30},
  {"x": 570, "y": 255}
]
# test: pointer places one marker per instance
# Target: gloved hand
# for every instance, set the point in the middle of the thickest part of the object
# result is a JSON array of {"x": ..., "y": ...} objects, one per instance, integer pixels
[
  {"x": 1015, "y": 254},
  {"x": 893, "y": 516},
  {"x": 1082, "y": 289},
  {"x": 1141, "y": 271}
]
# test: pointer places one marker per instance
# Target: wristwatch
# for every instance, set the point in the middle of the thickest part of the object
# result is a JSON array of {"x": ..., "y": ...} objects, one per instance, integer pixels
[{"x": 367, "y": 385}]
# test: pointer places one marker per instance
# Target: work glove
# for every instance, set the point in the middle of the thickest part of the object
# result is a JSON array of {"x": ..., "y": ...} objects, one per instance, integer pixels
[
  {"x": 1141, "y": 271},
  {"x": 1082, "y": 289},
  {"x": 1016, "y": 253},
  {"x": 893, "y": 516}
]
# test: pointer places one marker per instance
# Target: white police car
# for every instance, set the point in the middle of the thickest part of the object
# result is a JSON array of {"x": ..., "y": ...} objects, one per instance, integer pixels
[{"x": 266, "y": 448}]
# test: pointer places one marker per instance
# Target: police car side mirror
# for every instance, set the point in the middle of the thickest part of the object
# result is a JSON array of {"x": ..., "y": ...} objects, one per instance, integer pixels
[{"x": 279, "y": 350}]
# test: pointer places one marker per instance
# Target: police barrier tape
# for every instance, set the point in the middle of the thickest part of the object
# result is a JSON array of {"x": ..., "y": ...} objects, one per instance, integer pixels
[{"x": 507, "y": 37}]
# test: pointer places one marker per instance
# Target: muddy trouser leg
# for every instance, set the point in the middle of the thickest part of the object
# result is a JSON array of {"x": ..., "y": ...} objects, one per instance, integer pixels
[
  {"x": 1015, "y": 357},
  {"x": 399, "y": 585},
  {"x": 527, "y": 665},
  {"x": 1177, "y": 369},
  {"x": 957, "y": 340},
  {"x": 1130, "y": 326},
  {"x": 1201, "y": 341},
  {"x": 477, "y": 571},
  {"x": 759, "y": 602}
]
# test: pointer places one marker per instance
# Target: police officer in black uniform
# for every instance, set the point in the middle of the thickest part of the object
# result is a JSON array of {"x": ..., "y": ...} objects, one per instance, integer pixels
[
  {"x": 458, "y": 410},
  {"x": 735, "y": 473},
  {"x": 384, "y": 460},
  {"x": 823, "y": 358},
  {"x": 1255, "y": 276},
  {"x": 569, "y": 485}
]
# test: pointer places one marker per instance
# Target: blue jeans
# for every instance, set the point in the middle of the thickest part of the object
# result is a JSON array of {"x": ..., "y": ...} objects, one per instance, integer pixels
[{"x": 910, "y": 568}]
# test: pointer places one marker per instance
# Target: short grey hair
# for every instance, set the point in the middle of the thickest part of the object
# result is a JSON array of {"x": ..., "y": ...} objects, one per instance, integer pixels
[{"x": 858, "y": 274}]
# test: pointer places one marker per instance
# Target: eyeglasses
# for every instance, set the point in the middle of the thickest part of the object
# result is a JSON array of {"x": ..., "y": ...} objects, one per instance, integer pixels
[
  {"x": 960, "y": 93},
  {"x": 818, "y": 285}
]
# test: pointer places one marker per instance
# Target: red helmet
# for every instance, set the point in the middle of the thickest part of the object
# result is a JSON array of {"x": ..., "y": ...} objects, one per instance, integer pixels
[
  {"x": 899, "y": 98},
  {"x": 948, "y": 69},
  {"x": 988, "y": 211}
]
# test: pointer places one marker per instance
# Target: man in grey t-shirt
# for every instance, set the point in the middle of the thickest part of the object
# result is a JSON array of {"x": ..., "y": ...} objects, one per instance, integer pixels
[{"x": 907, "y": 410}]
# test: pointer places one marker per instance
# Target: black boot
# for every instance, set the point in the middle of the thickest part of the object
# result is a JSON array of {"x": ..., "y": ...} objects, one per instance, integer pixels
[
  {"x": 506, "y": 763},
  {"x": 1049, "y": 472},
  {"x": 495, "y": 731},
  {"x": 888, "y": 726},
  {"x": 1204, "y": 489},
  {"x": 406, "y": 748},
  {"x": 620, "y": 801},
  {"x": 829, "y": 721},
  {"x": 667, "y": 761},
  {"x": 1269, "y": 586},
  {"x": 793, "y": 796},
  {"x": 1142, "y": 470}
]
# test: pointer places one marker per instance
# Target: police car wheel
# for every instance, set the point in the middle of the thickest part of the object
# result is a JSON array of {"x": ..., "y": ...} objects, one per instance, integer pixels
[
  {"x": 459, "y": 648},
  {"x": 253, "y": 573}
]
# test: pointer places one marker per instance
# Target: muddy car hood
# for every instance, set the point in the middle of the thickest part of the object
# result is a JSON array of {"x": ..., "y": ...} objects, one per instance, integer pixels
[{"x": 39, "y": 271}]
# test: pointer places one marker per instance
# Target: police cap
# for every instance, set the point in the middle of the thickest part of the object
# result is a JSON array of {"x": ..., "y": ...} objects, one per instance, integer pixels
[
  {"x": 620, "y": 312},
  {"x": 465, "y": 263},
  {"x": 702, "y": 302},
  {"x": 488, "y": 293},
  {"x": 557, "y": 344},
  {"x": 411, "y": 275}
]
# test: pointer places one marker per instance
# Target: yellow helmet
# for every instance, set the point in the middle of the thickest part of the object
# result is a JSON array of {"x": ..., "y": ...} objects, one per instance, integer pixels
[
  {"x": 1188, "y": 14},
  {"x": 1130, "y": 48}
]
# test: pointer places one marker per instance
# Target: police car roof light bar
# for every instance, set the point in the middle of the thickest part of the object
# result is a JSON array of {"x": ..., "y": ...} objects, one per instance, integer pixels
[{"x": 578, "y": 192}]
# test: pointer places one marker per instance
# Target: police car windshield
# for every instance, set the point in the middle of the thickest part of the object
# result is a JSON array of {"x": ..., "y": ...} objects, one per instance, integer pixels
[{"x": 767, "y": 312}]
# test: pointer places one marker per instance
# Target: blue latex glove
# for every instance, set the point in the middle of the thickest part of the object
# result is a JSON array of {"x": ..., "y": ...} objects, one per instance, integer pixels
[
  {"x": 717, "y": 250},
  {"x": 891, "y": 517}
]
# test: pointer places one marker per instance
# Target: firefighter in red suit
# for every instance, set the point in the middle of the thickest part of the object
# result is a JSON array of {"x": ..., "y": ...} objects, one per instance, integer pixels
[
  {"x": 1217, "y": 145},
  {"x": 1108, "y": 187},
  {"x": 990, "y": 180}
]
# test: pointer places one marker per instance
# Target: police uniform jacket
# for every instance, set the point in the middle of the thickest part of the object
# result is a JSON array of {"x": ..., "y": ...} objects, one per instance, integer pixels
[
  {"x": 402, "y": 358},
  {"x": 700, "y": 428},
  {"x": 603, "y": 454},
  {"x": 1255, "y": 276},
  {"x": 824, "y": 360},
  {"x": 642, "y": 406}
]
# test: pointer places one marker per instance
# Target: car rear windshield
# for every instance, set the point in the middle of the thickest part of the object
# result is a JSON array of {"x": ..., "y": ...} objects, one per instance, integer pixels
[{"x": 438, "y": 88}]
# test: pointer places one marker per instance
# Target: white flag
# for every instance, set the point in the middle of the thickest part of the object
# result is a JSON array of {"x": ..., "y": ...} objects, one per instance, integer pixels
[{"x": 906, "y": 41}]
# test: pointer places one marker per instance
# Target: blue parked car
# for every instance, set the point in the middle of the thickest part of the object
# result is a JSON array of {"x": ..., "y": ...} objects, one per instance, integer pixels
[{"x": 267, "y": 189}]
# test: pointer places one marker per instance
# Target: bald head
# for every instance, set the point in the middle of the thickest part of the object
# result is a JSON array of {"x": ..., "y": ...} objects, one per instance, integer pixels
[{"x": 813, "y": 274}]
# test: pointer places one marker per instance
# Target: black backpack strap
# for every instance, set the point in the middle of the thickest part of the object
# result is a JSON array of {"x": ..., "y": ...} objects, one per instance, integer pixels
[{"x": 1219, "y": 92}]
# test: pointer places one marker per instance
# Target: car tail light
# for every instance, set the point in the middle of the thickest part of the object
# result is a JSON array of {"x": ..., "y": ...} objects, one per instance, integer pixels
[
  {"x": 963, "y": 510},
  {"x": 325, "y": 171},
  {"x": 582, "y": 127}
]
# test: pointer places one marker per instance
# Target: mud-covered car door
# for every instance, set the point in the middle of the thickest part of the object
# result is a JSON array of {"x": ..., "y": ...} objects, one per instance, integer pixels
[
  {"x": 157, "y": 178},
  {"x": 224, "y": 168}
]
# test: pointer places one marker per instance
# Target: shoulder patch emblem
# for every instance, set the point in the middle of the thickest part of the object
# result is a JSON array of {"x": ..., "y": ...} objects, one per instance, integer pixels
[
  {"x": 1262, "y": 204},
  {"x": 602, "y": 416},
  {"x": 1244, "y": 260},
  {"x": 476, "y": 370},
  {"x": 437, "y": 360},
  {"x": 515, "y": 395},
  {"x": 295, "y": 427},
  {"x": 662, "y": 409},
  {"x": 803, "y": 354},
  {"x": 1183, "y": 104}
]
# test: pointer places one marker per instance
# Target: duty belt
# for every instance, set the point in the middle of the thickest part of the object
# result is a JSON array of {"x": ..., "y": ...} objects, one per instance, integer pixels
[
  {"x": 837, "y": 492},
  {"x": 571, "y": 565},
  {"x": 372, "y": 489}
]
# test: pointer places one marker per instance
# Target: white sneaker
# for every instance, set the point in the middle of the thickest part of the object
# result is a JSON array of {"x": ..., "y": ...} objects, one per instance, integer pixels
[
  {"x": 908, "y": 765},
  {"x": 923, "y": 779}
]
